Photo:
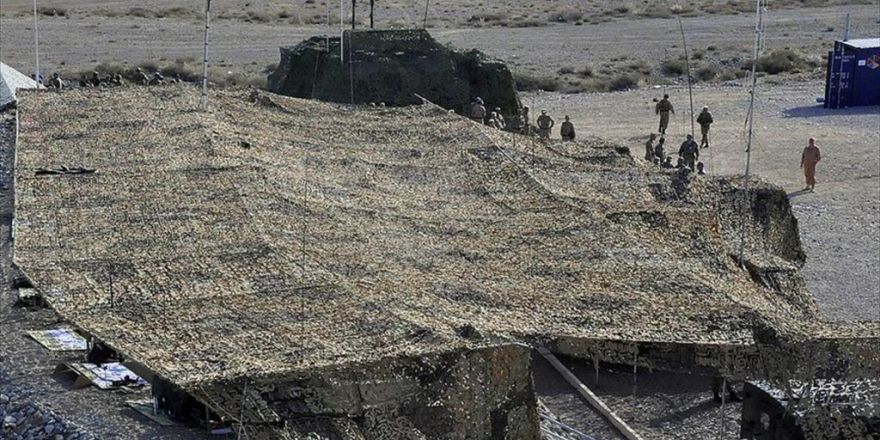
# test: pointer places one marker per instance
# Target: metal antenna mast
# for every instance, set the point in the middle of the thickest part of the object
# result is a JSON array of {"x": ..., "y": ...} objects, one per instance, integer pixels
[
  {"x": 425, "y": 23},
  {"x": 36, "y": 48},
  {"x": 205, "y": 64},
  {"x": 687, "y": 64},
  {"x": 759, "y": 30}
]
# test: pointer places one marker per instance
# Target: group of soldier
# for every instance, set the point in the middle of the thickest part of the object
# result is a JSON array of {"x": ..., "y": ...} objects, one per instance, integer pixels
[
  {"x": 521, "y": 123},
  {"x": 689, "y": 151},
  {"x": 113, "y": 80}
]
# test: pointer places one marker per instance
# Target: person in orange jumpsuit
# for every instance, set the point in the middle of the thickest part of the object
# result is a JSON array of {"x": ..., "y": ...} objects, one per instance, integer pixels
[{"x": 809, "y": 159}]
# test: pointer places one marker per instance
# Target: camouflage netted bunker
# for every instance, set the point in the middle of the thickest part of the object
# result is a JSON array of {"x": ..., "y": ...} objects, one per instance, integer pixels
[
  {"x": 391, "y": 67},
  {"x": 384, "y": 281}
]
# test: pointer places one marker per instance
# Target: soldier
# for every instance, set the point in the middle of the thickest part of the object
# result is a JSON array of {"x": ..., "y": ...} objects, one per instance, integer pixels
[
  {"x": 499, "y": 118},
  {"x": 701, "y": 169},
  {"x": 705, "y": 120},
  {"x": 141, "y": 77},
  {"x": 664, "y": 108},
  {"x": 478, "y": 112},
  {"x": 545, "y": 124},
  {"x": 689, "y": 152},
  {"x": 525, "y": 121},
  {"x": 96, "y": 79},
  {"x": 667, "y": 164},
  {"x": 493, "y": 121},
  {"x": 659, "y": 152},
  {"x": 56, "y": 82},
  {"x": 158, "y": 79},
  {"x": 649, "y": 148},
  {"x": 566, "y": 130}
]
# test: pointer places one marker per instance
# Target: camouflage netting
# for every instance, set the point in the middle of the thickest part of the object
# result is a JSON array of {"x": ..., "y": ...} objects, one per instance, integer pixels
[
  {"x": 392, "y": 66},
  {"x": 273, "y": 240}
]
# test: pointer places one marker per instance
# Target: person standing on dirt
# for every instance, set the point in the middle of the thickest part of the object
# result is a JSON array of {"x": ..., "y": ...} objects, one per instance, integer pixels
[
  {"x": 649, "y": 148},
  {"x": 659, "y": 151},
  {"x": 499, "y": 118},
  {"x": 566, "y": 130},
  {"x": 56, "y": 82},
  {"x": 689, "y": 152},
  {"x": 141, "y": 77},
  {"x": 809, "y": 158},
  {"x": 478, "y": 111},
  {"x": 525, "y": 121},
  {"x": 96, "y": 79},
  {"x": 664, "y": 108},
  {"x": 545, "y": 124},
  {"x": 705, "y": 120}
]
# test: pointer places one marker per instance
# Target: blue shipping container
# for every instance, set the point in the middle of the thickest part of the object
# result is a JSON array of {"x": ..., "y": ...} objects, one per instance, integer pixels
[{"x": 853, "y": 76}]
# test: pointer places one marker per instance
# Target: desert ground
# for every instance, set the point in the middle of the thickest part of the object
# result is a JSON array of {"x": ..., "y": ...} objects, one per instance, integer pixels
[{"x": 572, "y": 45}]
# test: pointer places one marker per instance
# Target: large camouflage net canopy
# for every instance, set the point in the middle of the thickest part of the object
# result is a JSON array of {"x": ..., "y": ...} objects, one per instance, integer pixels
[{"x": 271, "y": 236}]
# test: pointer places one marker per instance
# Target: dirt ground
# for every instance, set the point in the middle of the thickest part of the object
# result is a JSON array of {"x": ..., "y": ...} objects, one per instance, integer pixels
[
  {"x": 661, "y": 406},
  {"x": 839, "y": 223},
  {"x": 81, "y": 40}
]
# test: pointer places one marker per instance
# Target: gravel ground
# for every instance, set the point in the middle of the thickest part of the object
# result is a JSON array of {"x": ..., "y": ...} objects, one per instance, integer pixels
[
  {"x": 839, "y": 223},
  {"x": 82, "y": 41},
  {"x": 34, "y": 397}
]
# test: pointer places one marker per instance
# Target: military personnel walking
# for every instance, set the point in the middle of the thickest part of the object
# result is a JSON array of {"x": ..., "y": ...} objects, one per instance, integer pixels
[
  {"x": 158, "y": 79},
  {"x": 649, "y": 148},
  {"x": 141, "y": 77},
  {"x": 525, "y": 121},
  {"x": 664, "y": 108},
  {"x": 56, "y": 82},
  {"x": 96, "y": 79},
  {"x": 499, "y": 118},
  {"x": 566, "y": 130},
  {"x": 705, "y": 120},
  {"x": 689, "y": 152},
  {"x": 478, "y": 111},
  {"x": 545, "y": 124}
]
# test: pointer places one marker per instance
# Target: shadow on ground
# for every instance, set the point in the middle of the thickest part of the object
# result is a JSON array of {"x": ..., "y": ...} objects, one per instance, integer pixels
[{"x": 813, "y": 111}]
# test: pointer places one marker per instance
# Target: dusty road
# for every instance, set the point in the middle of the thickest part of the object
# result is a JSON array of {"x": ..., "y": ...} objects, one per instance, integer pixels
[{"x": 839, "y": 223}]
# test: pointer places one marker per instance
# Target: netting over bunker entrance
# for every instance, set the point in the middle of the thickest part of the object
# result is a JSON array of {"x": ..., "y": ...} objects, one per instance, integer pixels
[{"x": 246, "y": 253}]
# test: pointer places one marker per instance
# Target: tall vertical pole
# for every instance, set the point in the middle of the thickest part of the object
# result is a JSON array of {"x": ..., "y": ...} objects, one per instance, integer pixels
[
  {"x": 342, "y": 33},
  {"x": 759, "y": 26},
  {"x": 36, "y": 48},
  {"x": 846, "y": 29},
  {"x": 687, "y": 64},
  {"x": 425, "y": 23},
  {"x": 353, "y": 4},
  {"x": 372, "y": 5},
  {"x": 205, "y": 61}
]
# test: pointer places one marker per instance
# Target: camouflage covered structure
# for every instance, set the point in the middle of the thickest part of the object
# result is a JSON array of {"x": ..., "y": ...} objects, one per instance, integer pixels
[
  {"x": 377, "y": 281},
  {"x": 392, "y": 66}
]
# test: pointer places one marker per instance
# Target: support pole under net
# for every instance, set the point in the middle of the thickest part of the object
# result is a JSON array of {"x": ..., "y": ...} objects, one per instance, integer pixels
[
  {"x": 36, "y": 48},
  {"x": 759, "y": 28},
  {"x": 687, "y": 64},
  {"x": 204, "y": 103}
]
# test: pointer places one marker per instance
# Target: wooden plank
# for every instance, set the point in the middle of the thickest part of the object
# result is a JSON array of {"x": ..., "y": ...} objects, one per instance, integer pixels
[{"x": 587, "y": 394}]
